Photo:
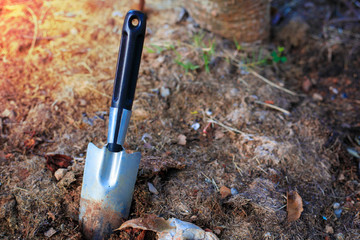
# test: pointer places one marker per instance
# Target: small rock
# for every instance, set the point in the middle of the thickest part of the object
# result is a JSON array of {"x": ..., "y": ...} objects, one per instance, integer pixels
[
  {"x": 329, "y": 229},
  {"x": 164, "y": 92},
  {"x": 117, "y": 13},
  {"x": 195, "y": 126},
  {"x": 267, "y": 235},
  {"x": 60, "y": 173},
  {"x": 341, "y": 177},
  {"x": 181, "y": 140},
  {"x": 336, "y": 205},
  {"x": 234, "y": 92},
  {"x": 306, "y": 85},
  {"x": 217, "y": 231},
  {"x": 82, "y": 102},
  {"x": 225, "y": 192},
  {"x": 234, "y": 191},
  {"x": 74, "y": 31},
  {"x": 160, "y": 59},
  {"x": 67, "y": 179},
  {"x": 49, "y": 233},
  {"x": 338, "y": 212},
  {"x": 152, "y": 189},
  {"x": 340, "y": 236},
  {"x": 317, "y": 97},
  {"x": 334, "y": 90}
]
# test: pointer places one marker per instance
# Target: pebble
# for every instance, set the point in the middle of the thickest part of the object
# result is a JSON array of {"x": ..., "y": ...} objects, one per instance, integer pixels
[
  {"x": 60, "y": 173},
  {"x": 117, "y": 14},
  {"x": 317, "y": 97},
  {"x": 234, "y": 191},
  {"x": 234, "y": 92},
  {"x": 225, "y": 192},
  {"x": 152, "y": 189},
  {"x": 195, "y": 126},
  {"x": 208, "y": 112},
  {"x": 181, "y": 140},
  {"x": 49, "y": 233},
  {"x": 338, "y": 212},
  {"x": 340, "y": 236},
  {"x": 82, "y": 102},
  {"x": 329, "y": 229},
  {"x": 164, "y": 92},
  {"x": 74, "y": 31}
]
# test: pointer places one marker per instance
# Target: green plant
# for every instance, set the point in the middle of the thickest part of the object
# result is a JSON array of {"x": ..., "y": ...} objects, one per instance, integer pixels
[
  {"x": 278, "y": 55},
  {"x": 186, "y": 65},
  {"x": 154, "y": 49},
  {"x": 237, "y": 44}
]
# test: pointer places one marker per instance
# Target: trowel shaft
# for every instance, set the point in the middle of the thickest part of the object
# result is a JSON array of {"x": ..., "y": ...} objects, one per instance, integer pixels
[{"x": 127, "y": 70}]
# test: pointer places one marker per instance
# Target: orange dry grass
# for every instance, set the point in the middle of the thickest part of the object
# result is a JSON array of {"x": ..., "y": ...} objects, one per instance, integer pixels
[
  {"x": 73, "y": 43},
  {"x": 55, "y": 52}
]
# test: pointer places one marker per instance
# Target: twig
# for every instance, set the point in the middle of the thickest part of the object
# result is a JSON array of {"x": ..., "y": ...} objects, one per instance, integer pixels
[
  {"x": 271, "y": 83},
  {"x": 97, "y": 91},
  {"x": 286, "y": 112},
  {"x": 236, "y": 166},
  {"x": 212, "y": 181},
  {"x": 34, "y": 18},
  {"x": 41, "y": 38},
  {"x": 341, "y": 20},
  {"x": 228, "y": 128}
]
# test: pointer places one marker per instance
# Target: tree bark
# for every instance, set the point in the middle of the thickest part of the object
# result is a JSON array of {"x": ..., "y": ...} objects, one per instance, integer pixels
[{"x": 245, "y": 20}]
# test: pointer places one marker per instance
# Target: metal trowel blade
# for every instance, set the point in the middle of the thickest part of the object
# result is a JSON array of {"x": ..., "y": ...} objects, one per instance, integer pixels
[{"x": 107, "y": 190}]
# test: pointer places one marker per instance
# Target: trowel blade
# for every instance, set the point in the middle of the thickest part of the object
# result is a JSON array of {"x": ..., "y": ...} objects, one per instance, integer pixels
[{"x": 107, "y": 190}]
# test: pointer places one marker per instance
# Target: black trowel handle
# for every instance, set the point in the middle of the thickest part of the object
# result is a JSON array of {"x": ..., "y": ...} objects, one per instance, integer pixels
[
  {"x": 127, "y": 70},
  {"x": 128, "y": 64}
]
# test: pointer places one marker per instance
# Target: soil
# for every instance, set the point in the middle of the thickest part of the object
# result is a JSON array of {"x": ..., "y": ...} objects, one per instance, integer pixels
[{"x": 198, "y": 131}]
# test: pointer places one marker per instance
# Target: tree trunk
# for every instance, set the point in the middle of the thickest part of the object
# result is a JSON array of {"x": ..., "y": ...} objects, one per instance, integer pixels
[{"x": 245, "y": 20}]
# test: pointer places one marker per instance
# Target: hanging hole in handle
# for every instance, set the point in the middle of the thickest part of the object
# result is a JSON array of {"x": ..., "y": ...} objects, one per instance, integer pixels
[{"x": 134, "y": 22}]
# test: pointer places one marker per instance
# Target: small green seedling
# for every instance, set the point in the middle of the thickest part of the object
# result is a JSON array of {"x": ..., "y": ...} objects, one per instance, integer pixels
[
  {"x": 237, "y": 44},
  {"x": 186, "y": 65},
  {"x": 277, "y": 55},
  {"x": 154, "y": 49}
]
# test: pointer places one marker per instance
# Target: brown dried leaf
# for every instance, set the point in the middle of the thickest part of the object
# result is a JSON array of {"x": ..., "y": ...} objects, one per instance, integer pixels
[
  {"x": 149, "y": 222},
  {"x": 170, "y": 229},
  {"x": 294, "y": 206},
  {"x": 56, "y": 161}
]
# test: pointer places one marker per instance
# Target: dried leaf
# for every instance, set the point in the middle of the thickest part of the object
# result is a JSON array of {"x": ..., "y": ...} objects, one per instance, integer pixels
[
  {"x": 170, "y": 229},
  {"x": 294, "y": 206},
  {"x": 182, "y": 140},
  {"x": 56, "y": 161}
]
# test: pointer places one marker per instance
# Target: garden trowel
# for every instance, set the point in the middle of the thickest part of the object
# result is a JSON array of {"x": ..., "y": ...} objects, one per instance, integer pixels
[{"x": 110, "y": 173}]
